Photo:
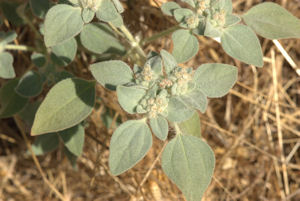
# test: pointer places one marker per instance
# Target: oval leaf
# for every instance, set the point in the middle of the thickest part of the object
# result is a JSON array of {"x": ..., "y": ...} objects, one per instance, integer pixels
[
  {"x": 178, "y": 111},
  {"x": 272, "y": 21},
  {"x": 112, "y": 73},
  {"x": 30, "y": 85},
  {"x": 129, "y": 144},
  {"x": 129, "y": 97},
  {"x": 169, "y": 7},
  {"x": 45, "y": 143},
  {"x": 169, "y": 61},
  {"x": 62, "y": 23},
  {"x": 185, "y": 45},
  {"x": 67, "y": 104},
  {"x": 10, "y": 102},
  {"x": 160, "y": 127},
  {"x": 6, "y": 66},
  {"x": 189, "y": 163},
  {"x": 39, "y": 7},
  {"x": 107, "y": 11},
  {"x": 195, "y": 99},
  {"x": 215, "y": 80},
  {"x": 64, "y": 53},
  {"x": 191, "y": 126},
  {"x": 99, "y": 38},
  {"x": 73, "y": 139},
  {"x": 241, "y": 43}
]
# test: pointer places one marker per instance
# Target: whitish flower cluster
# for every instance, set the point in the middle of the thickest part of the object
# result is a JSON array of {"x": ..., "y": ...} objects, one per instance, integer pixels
[
  {"x": 160, "y": 87},
  {"x": 91, "y": 4}
]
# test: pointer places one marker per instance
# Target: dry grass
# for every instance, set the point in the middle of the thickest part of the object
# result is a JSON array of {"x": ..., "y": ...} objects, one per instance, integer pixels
[{"x": 254, "y": 131}]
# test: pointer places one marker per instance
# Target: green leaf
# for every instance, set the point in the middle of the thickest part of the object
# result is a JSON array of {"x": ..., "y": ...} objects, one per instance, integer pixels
[
  {"x": 232, "y": 20},
  {"x": 118, "y": 22},
  {"x": 191, "y": 126},
  {"x": 71, "y": 157},
  {"x": 215, "y": 80},
  {"x": 107, "y": 11},
  {"x": 241, "y": 43},
  {"x": 99, "y": 38},
  {"x": 64, "y": 53},
  {"x": 272, "y": 21},
  {"x": 181, "y": 15},
  {"x": 87, "y": 15},
  {"x": 169, "y": 7},
  {"x": 190, "y": 2},
  {"x": 169, "y": 61},
  {"x": 195, "y": 99},
  {"x": 10, "y": 102},
  {"x": 45, "y": 143},
  {"x": 129, "y": 97},
  {"x": 178, "y": 111},
  {"x": 6, "y": 66},
  {"x": 129, "y": 144},
  {"x": 38, "y": 59},
  {"x": 28, "y": 112},
  {"x": 189, "y": 163},
  {"x": 30, "y": 84},
  {"x": 67, "y": 104},
  {"x": 73, "y": 139},
  {"x": 156, "y": 64},
  {"x": 62, "y": 23},
  {"x": 212, "y": 31},
  {"x": 185, "y": 45},
  {"x": 39, "y": 7},
  {"x": 59, "y": 76},
  {"x": 112, "y": 73},
  {"x": 160, "y": 127},
  {"x": 7, "y": 37}
]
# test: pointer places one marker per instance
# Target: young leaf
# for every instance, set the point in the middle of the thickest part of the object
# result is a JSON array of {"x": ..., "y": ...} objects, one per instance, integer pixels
[
  {"x": 30, "y": 84},
  {"x": 64, "y": 53},
  {"x": 160, "y": 127},
  {"x": 169, "y": 7},
  {"x": 6, "y": 66},
  {"x": 39, "y": 7},
  {"x": 112, "y": 73},
  {"x": 215, "y": 80},
  {"x": 240, "y": 42},
  {"x": 195, "y": 99},
  {"x": 38, "y": 59},
  {"x": 129, "y": 144},
  {"x": 99, "y": 38},
  {"x": 73, "y": 139},
  {"x": 10, "y": 102},
  {"x": 178, "y": 111},
  {"x": 87, "y": 15},
  {"x": 185, "y": 45},
  {"x": 129, "y": 97},
  {"x": 169, "y": 61},
  {"x": 191, "y": 126},
  {"x": 272, "y": 21},
  {"x": 189, "y": 163},
  {"x": 67, "y": 104},
  {"x": 62, "y": 23},
  {"x": 232, "y": 20},
  {"x": 181, "y": 15},
  {"x": 45, "y": 143}
]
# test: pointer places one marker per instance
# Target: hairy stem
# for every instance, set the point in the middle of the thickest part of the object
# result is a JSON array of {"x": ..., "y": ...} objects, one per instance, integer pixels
[
  {"x": 160, "y": 34},
  {"x": 20, "y": 48}
]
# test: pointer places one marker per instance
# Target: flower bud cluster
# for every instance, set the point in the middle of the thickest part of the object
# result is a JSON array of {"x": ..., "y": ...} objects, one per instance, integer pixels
[
  {"x": 219, "y": 18},
  {"x": 91, "y": 4},
  {"x": 201, "y": 6},
  {"x": 192, "y": 21},
  {"x": 146, "y": 76},
  {"x": 181, "y": 78}
]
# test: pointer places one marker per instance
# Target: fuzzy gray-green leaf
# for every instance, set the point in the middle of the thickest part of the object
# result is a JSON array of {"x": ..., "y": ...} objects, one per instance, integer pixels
[
  {"x": 189, "y": 163},
  {"x": 191, "y": 126},
  {"x": 73, "y": 139},
  {"x": 195, "y": 99},
  {"x": 272, "y": 21},
  {"x": 6, "y": 66},
  {"x": 107, "y": 11},
  {"x": 64, "y": 53},
  {"x": 30, "y": 84},
  {"x": 185, "y": 45},
  {"x": 68, "y": 103},
  {"x": 99, "y": 38},
  {"x": 129, "y": 144},
  {"x": 129, "y": 97},
  {"x": 215, "y": 80},
  {"x": 178, "y": 111},
  {"x": 169, "y": 7},
  {"x": 45, "y": 143},
  {"x": 169, "y": 61},
  {"x": 112, "y": 73},
  {"x": 241, "y": 43},
  {"x": 160, "y": 127},
  {"x": 62, "y": 23}
]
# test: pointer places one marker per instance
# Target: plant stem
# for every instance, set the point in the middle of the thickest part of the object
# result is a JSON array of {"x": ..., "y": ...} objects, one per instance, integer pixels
[
  {"x": 177, "y": 129},
  {"x": 20, "y": 48},
  {"x": 133, "y": 42},
  {"x": 160, "y": 34}
]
